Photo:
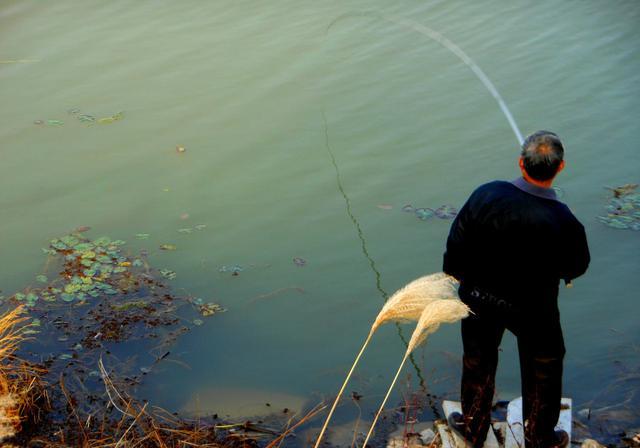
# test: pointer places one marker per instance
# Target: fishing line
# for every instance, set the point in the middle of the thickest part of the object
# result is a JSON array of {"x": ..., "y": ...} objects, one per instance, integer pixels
[
  {"x": 363, "y": 242},
  {"x": 484, "y": 79},
  {"x": 455, "y": 49}
]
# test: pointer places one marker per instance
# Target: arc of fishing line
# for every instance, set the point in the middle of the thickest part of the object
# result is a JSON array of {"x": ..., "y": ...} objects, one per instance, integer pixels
[{"x": 456, "y": 50}]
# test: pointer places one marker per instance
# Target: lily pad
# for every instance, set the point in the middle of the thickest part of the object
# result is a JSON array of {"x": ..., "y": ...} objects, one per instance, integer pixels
[
  {"x": 168, "y": 247},
  {"x": 234, "y": 269},
  {"x": 186, "y": 230},
  {"x": 446, "y": 212},
  {"x": 623, "y": 209},
  {"x": 86, "y": 118},
  {"x": 209, "y": 309},
  {"x": 55, "y": 122},
  {"x": 168, "y": 274},
  {"x": 142, "y": 236},
  {"x": 424, "y": 213},
  {"x": 42, "y": 278},
  {"x": 67, "y": 297}
]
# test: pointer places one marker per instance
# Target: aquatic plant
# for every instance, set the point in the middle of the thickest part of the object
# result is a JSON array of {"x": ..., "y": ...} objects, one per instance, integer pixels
[
  {"x": 91, "y": 298},
  {"x": 623, "y": 209},
  {"x": 434, "y": 314},
  {"x": 405, "y": 305}
]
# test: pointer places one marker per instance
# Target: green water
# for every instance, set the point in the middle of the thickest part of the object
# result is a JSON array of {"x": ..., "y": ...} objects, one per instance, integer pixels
[{"x": 243, "y": 87}]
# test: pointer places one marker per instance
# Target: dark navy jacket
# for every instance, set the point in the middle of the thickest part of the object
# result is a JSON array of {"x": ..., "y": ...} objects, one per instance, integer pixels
[{"x": 516, "y": 241}]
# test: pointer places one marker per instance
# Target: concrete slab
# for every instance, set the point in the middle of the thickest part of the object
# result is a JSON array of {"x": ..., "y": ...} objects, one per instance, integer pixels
[{"x": 515, "y": 427}]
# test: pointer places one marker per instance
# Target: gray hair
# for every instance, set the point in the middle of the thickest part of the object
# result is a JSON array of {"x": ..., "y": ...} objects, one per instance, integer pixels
[{"x": 542, "y": 153}]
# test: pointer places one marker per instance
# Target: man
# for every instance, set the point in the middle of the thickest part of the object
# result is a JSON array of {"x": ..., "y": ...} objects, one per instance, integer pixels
[{"x": 509, "y": 247}]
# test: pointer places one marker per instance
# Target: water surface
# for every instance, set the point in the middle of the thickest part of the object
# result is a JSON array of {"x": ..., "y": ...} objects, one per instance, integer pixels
[{"x": 243, "y": 87}]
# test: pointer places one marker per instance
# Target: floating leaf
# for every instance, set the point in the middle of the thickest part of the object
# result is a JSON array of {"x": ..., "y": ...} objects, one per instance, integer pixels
[
  {"x": 89, "y": 254},
  {"x": 86, "y": 118},
  {"x": 200, "y": 226},
  {"x": 102, "y": 241},
  {"x": 168, "y": 247},
  {"x": 48, "y": 251},
  {"x": 67, "y": 297},
  {"x": 385, "y": 206},
  {"x": 82, "y": 247},
  {"x": 168, "y": 274},
  {"x": 142, "y": 236},
  {"x": 299, "y": 261},
  {"x": 424, "y": 213},
  {"x": 59, "y": 245},
  {"x": 19, "y": 296},
  {"x": 446, "y": 212},
  {"x": 198, "y": 322},
  {"x": 69, "y": 240},
  {"x": 236, "y": 268},
  {"x": 55, "y": 122},
  {"x": 42, "y": 278},
  {"x": 137, "y": 263},
  {"x": 209, "y": 309},
  {"x": 129, "y": 305}
]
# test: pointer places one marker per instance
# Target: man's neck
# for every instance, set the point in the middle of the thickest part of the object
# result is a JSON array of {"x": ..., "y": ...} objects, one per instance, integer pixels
[{"x": 537, "y": 183}]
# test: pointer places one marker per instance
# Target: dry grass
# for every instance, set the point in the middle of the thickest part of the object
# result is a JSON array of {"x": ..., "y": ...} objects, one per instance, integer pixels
[
  {"x": 405, "y": 305},
  {"x": 20, "y": 386},
  {"x": 434, "y": 314}
]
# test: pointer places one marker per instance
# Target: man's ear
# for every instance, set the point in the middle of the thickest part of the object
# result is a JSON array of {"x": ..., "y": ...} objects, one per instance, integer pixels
[
  {"x": 560, "y": 167},
  {"x": 521, "y": 164}
]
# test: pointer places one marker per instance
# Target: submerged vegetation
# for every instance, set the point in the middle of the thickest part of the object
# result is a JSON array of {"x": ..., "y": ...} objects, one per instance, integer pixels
[{"x": 80, "y": 329}]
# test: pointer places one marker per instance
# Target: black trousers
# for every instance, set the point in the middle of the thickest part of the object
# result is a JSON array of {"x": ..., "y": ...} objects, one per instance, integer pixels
[{"x": 541, "y": 350}]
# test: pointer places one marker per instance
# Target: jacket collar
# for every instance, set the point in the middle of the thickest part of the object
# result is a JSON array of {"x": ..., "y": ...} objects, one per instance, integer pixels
[{"x": 541, "y": 192}]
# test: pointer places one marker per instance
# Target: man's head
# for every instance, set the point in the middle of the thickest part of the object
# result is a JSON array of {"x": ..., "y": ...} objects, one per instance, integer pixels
[{"x": 542, "y": 156}]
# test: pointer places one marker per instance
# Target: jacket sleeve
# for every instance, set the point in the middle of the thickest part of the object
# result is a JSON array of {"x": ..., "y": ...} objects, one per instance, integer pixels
[
  {"x": 576, "y": 254},
  {"x": 455, "y": 256}
]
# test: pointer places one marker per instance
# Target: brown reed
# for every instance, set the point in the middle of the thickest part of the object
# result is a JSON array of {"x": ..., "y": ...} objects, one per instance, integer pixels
[{"x": 405, "y": 305}]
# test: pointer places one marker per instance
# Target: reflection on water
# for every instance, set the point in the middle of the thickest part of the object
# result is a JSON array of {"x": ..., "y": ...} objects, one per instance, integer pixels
[{"x": 242, "y": 88}]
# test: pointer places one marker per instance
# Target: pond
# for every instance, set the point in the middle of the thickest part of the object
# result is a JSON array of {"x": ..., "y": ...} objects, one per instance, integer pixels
[{"x": 298, "y": 162}]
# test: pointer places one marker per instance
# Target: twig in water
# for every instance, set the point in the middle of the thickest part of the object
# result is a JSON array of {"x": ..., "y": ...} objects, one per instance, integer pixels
[{"x": 276, "y": 292}]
